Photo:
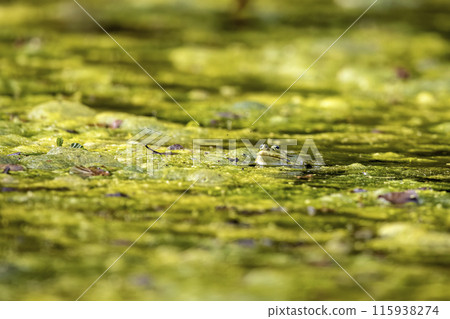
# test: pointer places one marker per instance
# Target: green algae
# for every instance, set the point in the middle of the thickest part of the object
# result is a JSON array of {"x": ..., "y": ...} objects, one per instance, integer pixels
[
  {"x": 64, "y": 157},
  {"x": 225, "y": 239},
  {"x": 56, "y": 111}
]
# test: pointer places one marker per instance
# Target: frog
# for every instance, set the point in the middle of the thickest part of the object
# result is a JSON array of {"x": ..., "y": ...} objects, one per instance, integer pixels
[{"x": 272, "y": 156}]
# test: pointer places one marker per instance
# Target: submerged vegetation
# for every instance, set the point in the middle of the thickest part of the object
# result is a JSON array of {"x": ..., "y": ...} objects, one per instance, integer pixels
[{"x": 376, "y": 106}]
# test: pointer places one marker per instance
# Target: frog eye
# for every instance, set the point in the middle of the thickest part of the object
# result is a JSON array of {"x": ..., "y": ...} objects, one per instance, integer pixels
[
  {"x": 275, "y": 147},
  {"x": 263, "y": 147}
]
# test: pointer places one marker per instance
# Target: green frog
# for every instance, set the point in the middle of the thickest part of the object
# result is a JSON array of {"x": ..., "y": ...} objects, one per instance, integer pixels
[{"x": 272, "y": 156}]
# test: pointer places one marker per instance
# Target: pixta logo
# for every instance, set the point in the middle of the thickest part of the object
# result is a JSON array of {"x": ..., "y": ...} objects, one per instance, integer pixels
[
  {"x": 265, "y": 152},
  {"x": 142, "y": 151},
  {"x": 144, "y": 154}
]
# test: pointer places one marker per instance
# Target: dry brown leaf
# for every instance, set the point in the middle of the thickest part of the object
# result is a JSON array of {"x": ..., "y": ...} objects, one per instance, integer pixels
[{"x": 399, "y": 198}]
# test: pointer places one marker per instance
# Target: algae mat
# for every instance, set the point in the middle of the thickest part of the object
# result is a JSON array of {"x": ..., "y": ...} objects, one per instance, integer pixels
[{"x": 376, "y": 106}]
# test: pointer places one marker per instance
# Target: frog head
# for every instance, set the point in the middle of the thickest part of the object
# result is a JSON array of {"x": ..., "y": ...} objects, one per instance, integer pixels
[{"x": 264, "y": 147}]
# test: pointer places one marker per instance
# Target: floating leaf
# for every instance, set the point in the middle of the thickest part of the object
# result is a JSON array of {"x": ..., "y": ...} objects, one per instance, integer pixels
[
  {"x": 11, "y": 167},
  {"x": 399, "y": 198}
]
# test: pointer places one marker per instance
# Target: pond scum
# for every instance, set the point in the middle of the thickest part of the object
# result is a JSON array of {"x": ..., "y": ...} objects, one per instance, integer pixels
[{"x": 376, "y": 106}]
